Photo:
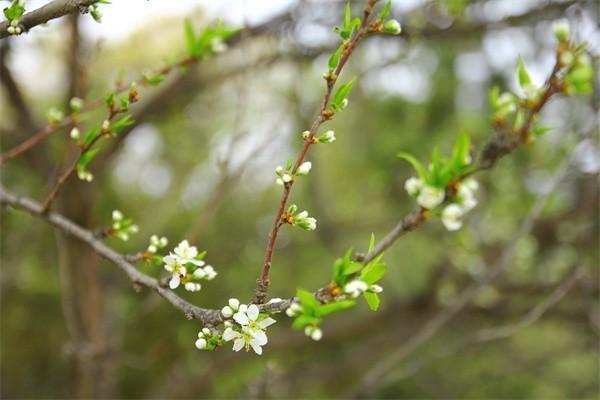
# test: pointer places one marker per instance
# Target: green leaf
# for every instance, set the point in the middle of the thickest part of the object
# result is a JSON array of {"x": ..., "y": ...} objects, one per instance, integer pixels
[
  {"x": 190, "y": 38},
  {"x": 372, "y": 300},
  {"x": 335, "y": 57},
  {"x": 15, "y": 11},
  {"x": 371, "y": 243},
  {"x": 373, "y": 272},
  {"x": 153, "y": 79},
  {"x": 493, "y": 96},
  {"x": 541, "y": 130},
  {"x": 307, "y": 299},
  {"x": 302, "y": 320},
  {"x": 347, "y": 16},
  {"x": 341, "y": 94},
  {"x": 385, "y": 11},
  {"x": 461, "y": 150},
  {"x": 90, "y": 135},
  {"x": 110, "y": 99},
  {"x": 330, "y": 308},
  {"x": 415, "y": 164},
  {"x": 87, "y": 157},
  {"x": 524, "y": 78},
  {"x": 123, "y": 123}
]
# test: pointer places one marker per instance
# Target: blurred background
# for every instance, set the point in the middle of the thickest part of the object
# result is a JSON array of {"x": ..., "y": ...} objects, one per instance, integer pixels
[{"x": 198, "y": 165}]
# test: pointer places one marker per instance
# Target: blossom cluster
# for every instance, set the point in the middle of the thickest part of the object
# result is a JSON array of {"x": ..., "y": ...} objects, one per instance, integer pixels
[
  {"x": 357, "y": 287},
  {"x": 248, "y": 328},
  {"x": 122, "y": 227},
  {"x": 300, "y": 219},
  {"x": 285, "y": 175},
  {"x": 312, "y": 330},
  {"x": 187, "y": 266},
  {"x": 430, "y": 197}
]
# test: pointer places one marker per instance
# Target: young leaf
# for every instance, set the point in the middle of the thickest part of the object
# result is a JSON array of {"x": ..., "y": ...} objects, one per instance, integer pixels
[
  {"x": 302, "y": 320},
  {"x": 371, "y": 243},
  {"x": 190, "y": 38},
  {"x": 90, "y": 135},
  {"x": 327, "y": 309},
  {"x": 123, "y": 123},
  {"x": 307, "y": 300},
  {"x": 385, "y": 11},
  {"x": 335, "y": 58},
  {"x": 524, "y": 78},
  {"x": 87, "y": 157},
  {"x": 347, "y": 16},
  {"x": 15, "y": 11},
  {"x": 372, "y": 300},
  {"x": 373, "y": 273},
  {"x": 341, "y": 94},
  {"x": 415, "y": 164}
]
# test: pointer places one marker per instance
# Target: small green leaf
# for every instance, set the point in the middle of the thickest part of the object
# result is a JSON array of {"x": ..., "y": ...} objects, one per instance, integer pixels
[
  {"x": 90, "y": 135},
  {"x": 330, "y": 308},
  {"x": 123, "y": 123},
  {"x": 302, "y": 320},
  {"x": 385, "y": 11},
  {"x": 372, "y": 300},
  {"x": 87, "y": 157},
  {"x": 307, "y": 299},
  {"x": 15, "y": 11},
  {"x": 524, "y": 78},
  {"x": 347, "y": 16},
  {"x": 341, "y": 94},
  {"x": 541, "y": 130},
  {"x": 373, "y": 272},
  {"x": 371, "y": 243},
  {"x": 415, "y": 164},
  {"x": 190, "y": 38},
  {"x": 335, "y": 57}
]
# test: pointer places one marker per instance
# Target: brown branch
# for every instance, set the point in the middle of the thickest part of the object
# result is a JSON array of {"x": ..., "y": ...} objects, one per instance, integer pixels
[
  {"x": 262, "y": 284},
  {"x": 52, "y": 10},
  {"x": 207, "y": 316}
]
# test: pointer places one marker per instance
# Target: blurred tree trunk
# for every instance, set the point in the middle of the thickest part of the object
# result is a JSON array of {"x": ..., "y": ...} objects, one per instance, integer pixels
[{"x": 83, "y": 295}]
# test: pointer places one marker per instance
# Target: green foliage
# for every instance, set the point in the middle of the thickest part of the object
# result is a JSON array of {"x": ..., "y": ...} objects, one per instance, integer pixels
[
  {"x": 335, "y": 57},
  {"x": 313, "y": 312},
  {"x": 350, "y": 24},
  {"x": 15, "y": 11},
  {"x": 523, "y": 74},
  {"x": 442, "y": 170},
  {"x": 87, "y": 157},
  {"x": 206, "y": 42},
  {"x": 344, "y": 268},
  {"x": 152, "y": 78},
  {"x": 339, "y": 100},
  {"x": 122, "y": 123},
  {"x": 385, "y": 11}
]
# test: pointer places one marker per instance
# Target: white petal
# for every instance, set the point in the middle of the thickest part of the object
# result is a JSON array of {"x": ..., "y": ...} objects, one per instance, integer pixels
[
  {"x": 227, "y": 312},
  {"x": 252, "y": 312},
  {"x": 234, "y": 304},
  {"x": 201, "y": 344},
  {"x": 174, "y": 282},
  {"x": 257, "y": 349},
  {"x": 266, "y": 323},
  {"x": 199, "y": 263},
  {"x": 230, "y": 334},
  {"x": 241, "y": 318},
  {"x": 260, "y": 338},
  {"x": 238, "y": 344}
]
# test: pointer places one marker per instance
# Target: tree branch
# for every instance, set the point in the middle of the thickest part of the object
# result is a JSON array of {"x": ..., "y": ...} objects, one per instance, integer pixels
[
  {"x": 207, "y": 316},
  {"x": 52, "y": 10}
]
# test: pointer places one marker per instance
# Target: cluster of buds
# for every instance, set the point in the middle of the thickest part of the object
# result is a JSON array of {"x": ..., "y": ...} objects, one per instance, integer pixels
[
  {"x": 157, "y": 243},
  {"x": 76, "y": 104},
  {"x": 85, "y": 175},
  {"x": 313, "y": 332},
  {"x": 300, "y": 219},
  {"x": 207, "y": 340},
  {"x": 285, "y": 175},
  {"x": 357, "y": 287},
  {"x": 187, "y": 266},
  {"x": 327, "y": 137},
  {"x": 122, "y": 227},
  {"x": 14, "y": 28}
]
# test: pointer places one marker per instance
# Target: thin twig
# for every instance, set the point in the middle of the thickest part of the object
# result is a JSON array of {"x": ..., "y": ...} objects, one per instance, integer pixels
[{"x": 262, "y": 284}]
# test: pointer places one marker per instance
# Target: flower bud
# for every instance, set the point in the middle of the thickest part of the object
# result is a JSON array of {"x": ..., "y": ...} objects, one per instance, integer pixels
[
  {"x": 304, "y": 168},
  {"x": 227, "y": 312},
  {"x": 561, "y": 30},
  {"x": 392, "y": 26},
  {"x": 76, "y": 104},
  {"x": 201, "y": 344},
  {"x": 117, "y": 215},
  {"x": 74, "y": 134}
]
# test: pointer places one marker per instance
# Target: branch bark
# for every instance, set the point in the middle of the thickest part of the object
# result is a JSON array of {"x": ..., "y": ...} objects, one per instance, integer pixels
[{"x": 52, "y": 10}]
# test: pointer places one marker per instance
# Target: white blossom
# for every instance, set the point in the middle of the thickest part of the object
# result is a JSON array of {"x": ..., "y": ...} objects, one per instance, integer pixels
[
  {"x": 304, "y": 168},
  {"x": 294, "y": 309},
  {"x": 192, "y": 286},
  {"x": 413, "y": 185},
  {"x": 561, "y": 30},
  {"x": 117, "y": 215},
  {"x": 210, "y": 272},
  {"x": 201, "y": 343},
  {"x": 245, "y": 339},
  {"x": 451, "y": 217},
  {"x": 430, "y": 197},
  {"x": 327, "y": 137},
  {"x": 74, "y": 134},
  {"x": 187, "y": 253},
  {"x": 313, "y": 332},
  {"x": 286, "y": 178},
  {"x": 356, "y": 288},
  {"x": 375, "y": 289},
  {"x": 173, "y": 265},
  {"x": 305, "y": 222}
]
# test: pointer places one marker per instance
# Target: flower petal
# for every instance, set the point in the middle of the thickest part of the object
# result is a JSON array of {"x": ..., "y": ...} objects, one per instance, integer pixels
[
  {"x": 260, "y": 338},
  {"x": 174, "y": 282},
  {"x": 238, "y": 344},
  {"x": 241, "y": 318},
  {"x": 252, "y": 312},
  {"x": 257, "y": 349},
  {"x": 266, "y": 322}
]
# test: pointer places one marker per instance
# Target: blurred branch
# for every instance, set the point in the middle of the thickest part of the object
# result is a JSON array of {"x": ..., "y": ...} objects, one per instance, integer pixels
[
  {"x": 54, "y": 9},
  {"x": 498, "y": 333},
  {"x": 432, "y": 327},
  {"x": 207, "y": 316}
]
